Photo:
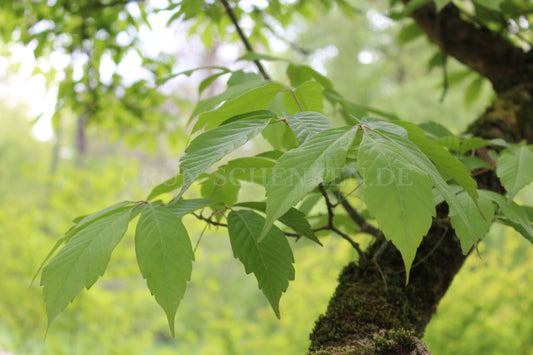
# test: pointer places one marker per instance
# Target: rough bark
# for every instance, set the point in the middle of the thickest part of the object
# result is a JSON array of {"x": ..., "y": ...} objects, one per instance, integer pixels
[{"x": 372, "y": 311}]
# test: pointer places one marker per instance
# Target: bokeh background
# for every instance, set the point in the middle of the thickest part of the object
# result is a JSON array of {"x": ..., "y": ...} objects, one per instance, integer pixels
[{"x": 45, "y": 182}]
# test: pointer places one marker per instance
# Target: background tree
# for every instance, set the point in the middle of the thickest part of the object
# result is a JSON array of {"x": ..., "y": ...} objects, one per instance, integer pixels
[{"x": 371, "y": 309}]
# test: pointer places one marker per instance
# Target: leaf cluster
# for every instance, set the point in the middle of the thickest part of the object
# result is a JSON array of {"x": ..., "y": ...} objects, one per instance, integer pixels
[{"x": 404, "y": 171}]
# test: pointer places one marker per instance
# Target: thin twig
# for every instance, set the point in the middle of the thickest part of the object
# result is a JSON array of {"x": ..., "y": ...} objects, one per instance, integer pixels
[
  {"x": 356, "y": 217},
  {"x": 334, "y": 229},
  {"x": 244, "y": 40},
  {"x": 377, "y": 254},
  {"x": 209, "y": 220}
]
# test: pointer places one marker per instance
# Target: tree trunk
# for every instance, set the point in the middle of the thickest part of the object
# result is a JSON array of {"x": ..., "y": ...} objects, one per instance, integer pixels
[{"x": 372, "y": 311}]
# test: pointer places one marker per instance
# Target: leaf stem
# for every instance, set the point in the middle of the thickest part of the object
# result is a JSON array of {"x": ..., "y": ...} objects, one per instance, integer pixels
[{"x": 296, "y": 99}]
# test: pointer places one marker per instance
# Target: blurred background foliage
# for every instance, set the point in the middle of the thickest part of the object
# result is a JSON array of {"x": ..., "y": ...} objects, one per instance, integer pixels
[{"x": 136, "y": 136}]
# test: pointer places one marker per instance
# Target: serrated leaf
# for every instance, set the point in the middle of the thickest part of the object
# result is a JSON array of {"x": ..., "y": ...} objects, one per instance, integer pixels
[
  {"x": 514, "y": 213},
  {"x": 168, "y": 185},
  {"x": 80, "y": 223},
  {"x": 293, "y": 218},
  {"x": 417, "y": 157},
  {"x": 479, "y": 224},
  {"x": 182, "y": 207},
  {"x": 320, "y": 158},
  {"x": 397, "y": 193},
  {"x": 515, "y": 169},
  {"x": 270, "y": 261},
  {"x": 442, "y": 158},
  {"x": 212, "y": 145},
  {"x": 306, "y": 97},
  {"x": 256, "y": 98},
  {"x": 82, "y": 260},
  {"x": 306, "y": 124},
  {"x": 164, "y": 254}
]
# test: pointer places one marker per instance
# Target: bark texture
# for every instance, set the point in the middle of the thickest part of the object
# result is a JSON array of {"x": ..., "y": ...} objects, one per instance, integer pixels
[{"x": 372, "y": 311}]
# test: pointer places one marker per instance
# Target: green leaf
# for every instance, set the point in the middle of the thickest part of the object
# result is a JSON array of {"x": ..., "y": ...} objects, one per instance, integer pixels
[
  {"x": 167, "y": 186},
  {"x": 306, "y": 124},
  {"x": 515, "y": 214},
  {"x": 397, "y": 193},
  {"x": 164, "y": 254},
  {"x": 490, "y": 4},
  {"x": 82, "y": 260},
  {"x": 293, "y": 218},
  {"x": 320, "y": 158},
  {"x": 515, "y": 169},
  {"x": 442, "y": 158},
  {"x": 473, "y": 90},
  {"x": 264, "y": 114},
  {"x": 299, "y": 74},
  {"x": 417, "y": 157},
  {"x": 161, "y": 81},
  {"x": 409, "y": 33},
  {"x": 251, "y": 169},
  {"x": 479, "y": 224},
  {"x": 280, "y": 136},
  {"x": 309, "y": 96},
  {"x": 80, "y": 223},
  {"x": 182, "y": 207},
  {"x": 208, "y": 81},
  {"x": 270, "y": 261},
  {"x": 450, "y": 142},
  {"x": 436, "y": 129},
  {"x": 232, "y": 92},
  {"x": 473, "y": 143},
  {"x": 441, "y": 4},
  {"x": 414, "y": 4},
  {"x": 256, "y": 98},
  {"x": 218, "y": 191},
  {"x": 212, "y": 145}
]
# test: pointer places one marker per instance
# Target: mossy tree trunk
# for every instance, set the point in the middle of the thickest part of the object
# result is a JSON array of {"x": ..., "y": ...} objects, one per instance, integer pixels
[{"x": 372, "y": 311}]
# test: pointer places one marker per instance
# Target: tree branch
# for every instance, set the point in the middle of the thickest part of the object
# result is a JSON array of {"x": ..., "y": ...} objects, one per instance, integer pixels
[
  {"x": 244, "y": 40},
  {"x": 334, "y": 229},
  {"x": 475, "y": 46},
  {"x": 356, "y": 217}
]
